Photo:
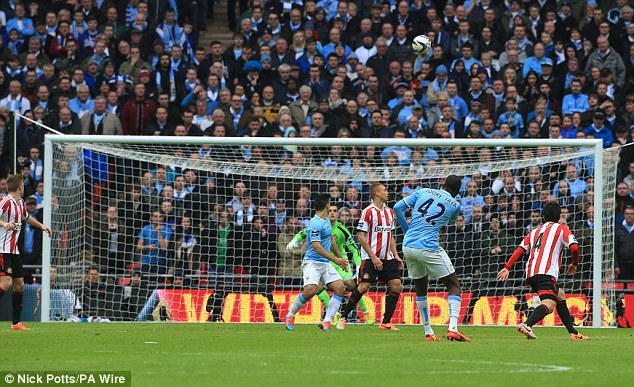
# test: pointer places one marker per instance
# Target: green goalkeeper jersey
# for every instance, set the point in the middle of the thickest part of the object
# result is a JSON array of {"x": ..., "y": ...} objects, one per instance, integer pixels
[{"x": 344, "y": 241}]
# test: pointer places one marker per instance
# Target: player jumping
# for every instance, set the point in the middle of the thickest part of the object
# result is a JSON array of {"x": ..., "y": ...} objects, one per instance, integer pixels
[
  {"x": 432, "y": 210},
  {"x": 348, "y": 248},
  {"x": 317, "y": 268},
  {"x": 12, "y": 215},
  {"x": 544, "y": 246},
  {"x": 379, "y": 256}
]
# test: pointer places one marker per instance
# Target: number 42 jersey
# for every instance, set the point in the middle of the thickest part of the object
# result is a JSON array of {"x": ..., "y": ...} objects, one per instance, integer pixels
[{"x": 432, "y": 209}]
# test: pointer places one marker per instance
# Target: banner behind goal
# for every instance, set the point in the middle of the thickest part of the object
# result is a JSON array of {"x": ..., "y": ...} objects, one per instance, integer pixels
[{"x": 226, "y": 209}]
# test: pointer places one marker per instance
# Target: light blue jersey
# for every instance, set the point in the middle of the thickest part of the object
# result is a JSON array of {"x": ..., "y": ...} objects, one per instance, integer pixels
[
  {"x": 432, "y": 209},
  {"x": 318, "y": 230}
]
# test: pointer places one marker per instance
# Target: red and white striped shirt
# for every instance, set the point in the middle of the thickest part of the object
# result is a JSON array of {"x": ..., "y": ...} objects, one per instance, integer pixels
[
  {"x": 378, "y": 224},
  {"x": 545, "y": 246},
  {"x": 11, "y": 211}
]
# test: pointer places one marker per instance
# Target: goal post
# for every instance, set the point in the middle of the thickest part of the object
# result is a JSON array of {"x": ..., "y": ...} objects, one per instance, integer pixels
[{"x": 331, "y": 161}]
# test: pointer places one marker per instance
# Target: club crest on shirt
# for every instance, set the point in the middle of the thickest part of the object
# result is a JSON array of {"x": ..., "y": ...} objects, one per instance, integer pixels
[
  {"x": 361, "y": 224},
  {"x": 9, "y": 270},
  {"x": 366, "y": 276}
]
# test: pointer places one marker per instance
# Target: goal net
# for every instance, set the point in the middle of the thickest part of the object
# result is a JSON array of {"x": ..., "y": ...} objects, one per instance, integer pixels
[{"x": 197, "y": 229}]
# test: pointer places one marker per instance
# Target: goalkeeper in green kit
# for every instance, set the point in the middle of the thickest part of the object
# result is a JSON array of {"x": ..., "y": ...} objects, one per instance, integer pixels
[{"x": 348, "y": 248}]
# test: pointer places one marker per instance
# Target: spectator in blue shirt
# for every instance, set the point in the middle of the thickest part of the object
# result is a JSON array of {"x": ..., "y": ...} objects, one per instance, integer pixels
[
  {"x": 467, "y": 57},
  {"x": 535, "y": 62},
  {"x": 512, "y": 118},
  {"x": 576, "y": 185},
  {"x": 153, "y": 244},
  {"x": 403, "y": 153},
  {"x": 575, "y": 101},
  {"x": 599, "y": 130},
  {"x": 22, "y": 24}
]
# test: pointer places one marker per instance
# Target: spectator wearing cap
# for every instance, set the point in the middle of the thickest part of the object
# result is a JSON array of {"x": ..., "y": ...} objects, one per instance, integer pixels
[
  {"x": 437, "y": 85},
  {"x": 366, "y": 49},
  {"x": 401, "y": 88},
  {"x": 599, "y": 130},
  {"x": 101, "y": 121},
  {"x": 575, "y": 101}
]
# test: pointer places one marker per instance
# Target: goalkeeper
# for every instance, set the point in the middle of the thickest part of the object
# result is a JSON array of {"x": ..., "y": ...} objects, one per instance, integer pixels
[{"x": 348, "y": 248}]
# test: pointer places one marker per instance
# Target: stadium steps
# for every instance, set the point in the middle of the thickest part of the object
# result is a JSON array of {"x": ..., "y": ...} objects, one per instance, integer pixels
[{"x": 217, "y": 28}]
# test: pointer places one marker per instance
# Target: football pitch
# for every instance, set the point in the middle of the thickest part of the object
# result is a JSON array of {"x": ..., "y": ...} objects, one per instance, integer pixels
[{"x": 165, "y": 354}]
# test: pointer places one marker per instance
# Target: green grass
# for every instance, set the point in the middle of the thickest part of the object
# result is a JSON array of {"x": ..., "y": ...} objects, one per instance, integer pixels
[{"x": 268, "y": 355}]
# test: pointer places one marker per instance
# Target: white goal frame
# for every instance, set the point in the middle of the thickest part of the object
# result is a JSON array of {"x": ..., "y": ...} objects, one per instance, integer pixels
[{"x": 596, "y": 144}]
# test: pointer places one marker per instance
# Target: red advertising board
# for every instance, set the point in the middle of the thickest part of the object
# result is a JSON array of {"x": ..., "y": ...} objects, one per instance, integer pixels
[{"x": 189, "y": 306}]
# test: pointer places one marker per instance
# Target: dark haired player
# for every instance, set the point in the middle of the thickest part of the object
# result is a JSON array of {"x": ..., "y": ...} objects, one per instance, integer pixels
[
  {"x": 432, "y": 210},
  {"x": 544, "y": 247},
  {"x": 317, "y": 267}
]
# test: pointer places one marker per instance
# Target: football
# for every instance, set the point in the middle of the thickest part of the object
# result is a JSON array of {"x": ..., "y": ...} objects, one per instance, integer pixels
[{"x": 421, "y": 44}]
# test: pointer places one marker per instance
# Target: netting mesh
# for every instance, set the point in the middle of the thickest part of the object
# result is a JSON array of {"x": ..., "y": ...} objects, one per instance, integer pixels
[{"x": 191, "y": 232}]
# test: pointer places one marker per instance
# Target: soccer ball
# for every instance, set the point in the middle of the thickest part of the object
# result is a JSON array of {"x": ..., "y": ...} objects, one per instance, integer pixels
[{"x": 421, "y": 44}]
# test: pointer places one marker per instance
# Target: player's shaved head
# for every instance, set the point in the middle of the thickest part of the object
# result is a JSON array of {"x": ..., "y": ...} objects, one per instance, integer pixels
[
  {"x": 453, "y": 184},
  {"x": 551, "y": 212}
]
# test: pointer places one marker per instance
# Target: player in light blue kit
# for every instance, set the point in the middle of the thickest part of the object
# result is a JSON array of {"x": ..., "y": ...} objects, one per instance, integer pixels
[
  {"x": 432, "y": 210},
  {"x": 316, "y": 267}
]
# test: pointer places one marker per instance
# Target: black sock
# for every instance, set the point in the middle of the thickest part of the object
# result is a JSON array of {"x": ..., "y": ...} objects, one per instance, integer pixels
[
  {"x": 355, "y": 296},
  {"x": 537, "y": 315},
  {"x": 390, "y": 305},
  {"x": 2, "y": 292},
  {"x": 17, "y": 306},
  {"x": 564, "y": 315}
]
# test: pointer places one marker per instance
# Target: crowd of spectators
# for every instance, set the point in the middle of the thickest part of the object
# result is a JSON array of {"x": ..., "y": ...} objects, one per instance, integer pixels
[{"x": 315, "y": 69}]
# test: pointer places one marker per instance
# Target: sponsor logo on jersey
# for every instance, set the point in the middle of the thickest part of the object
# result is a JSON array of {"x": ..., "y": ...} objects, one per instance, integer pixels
[
  {"x": 382, "y": 228},
  {"x": 18, "y": 226},
  {"x": 361, "y": 224},
  {"x": 314, "y": 233}
]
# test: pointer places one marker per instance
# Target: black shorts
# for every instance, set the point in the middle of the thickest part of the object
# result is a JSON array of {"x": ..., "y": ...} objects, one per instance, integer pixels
[
  {"x": 367, "y": 272},
  {"x": 544, "y": 285},
  {"x": 11, "y": 265}
]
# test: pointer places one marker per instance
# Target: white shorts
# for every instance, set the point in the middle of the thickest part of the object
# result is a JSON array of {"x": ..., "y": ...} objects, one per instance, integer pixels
[
  {"x": 435, "y": 263},
  {"x": 315, "y": 272}
]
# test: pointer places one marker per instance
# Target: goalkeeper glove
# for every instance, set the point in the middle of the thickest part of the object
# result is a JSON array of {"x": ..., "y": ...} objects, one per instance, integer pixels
[{"x": 292, "y": 245}]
